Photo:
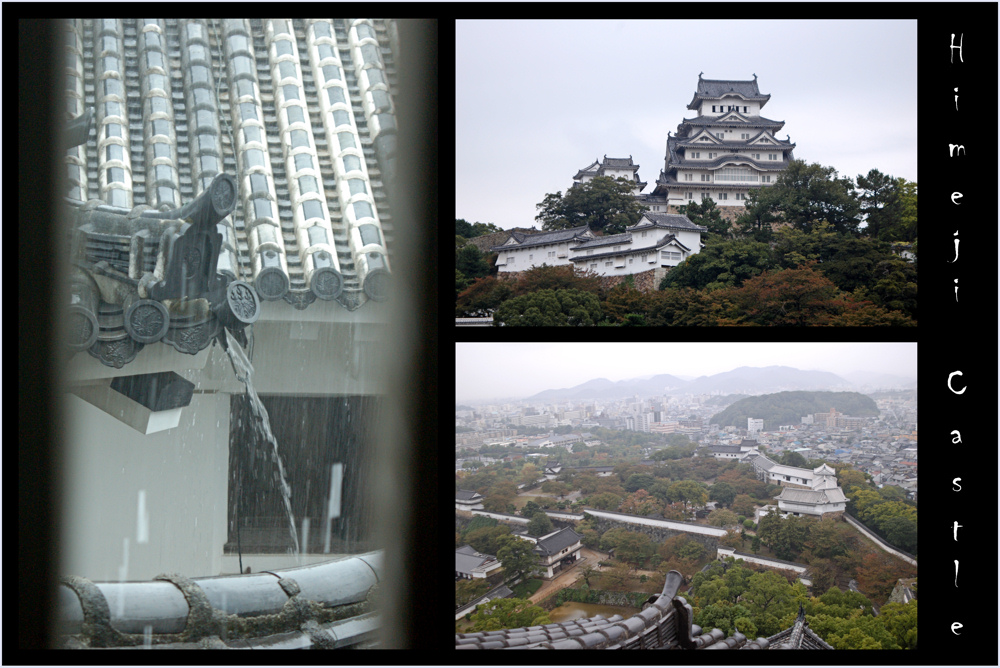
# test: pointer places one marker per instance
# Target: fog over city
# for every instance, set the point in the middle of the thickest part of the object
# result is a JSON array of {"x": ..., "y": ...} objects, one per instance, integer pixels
[{"x": 488, "y": 371}]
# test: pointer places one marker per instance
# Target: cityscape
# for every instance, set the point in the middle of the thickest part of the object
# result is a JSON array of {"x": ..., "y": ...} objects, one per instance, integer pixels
[{"x": 759, "y": 504}]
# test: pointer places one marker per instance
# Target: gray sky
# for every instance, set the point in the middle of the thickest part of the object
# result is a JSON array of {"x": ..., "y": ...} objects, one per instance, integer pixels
[
  {"x": 494, "y": 370},
  {"x": 536, "y": 101}
]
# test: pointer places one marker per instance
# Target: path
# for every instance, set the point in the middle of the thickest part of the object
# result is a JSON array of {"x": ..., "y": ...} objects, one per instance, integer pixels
[{"x": 567, "y": 578}]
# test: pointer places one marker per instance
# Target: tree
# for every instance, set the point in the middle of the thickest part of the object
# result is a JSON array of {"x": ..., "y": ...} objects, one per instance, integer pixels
[
  {"x": 722, "y": 518},
  {"x": 540, "y": 524},
  {"x": 722, "y": 492},
  {"x": 689, "y": 492},
  {"x": 605, "y": 501},
  {"x": 530, "y": 508},
  {"x": 639, "y": 503},
  {"x": 482, "y": 297},
  {"x": 469, "y": 260},
  {"x": 707, "y": 214},
  {"x": 633, "y": 547},
  {"x": 623, "y": 301},
  {"x": 901, "y": 621},
  {"x": 790, "y": 458},
  {"x": 468, "y": 590},
  {"x": 529, "y": 473},
  {"x": 549, "y": 308},
  {"x": 545, "y": 277},
  {"x": 743, "y": 505},
  {"x": 805, "y": 195},
  {"x": 603, "y": 204},
  {"x": 759, "y": 214},
  {"x": 721, "y": 264},
  {"x": 878, "y": 573},
  {"x": 791, "y": 297},
  {"x": 507, "y": 613},
  {"x": 517, "y": 556},
  {"x": 881, "y": 205},
  {"x": 768, "y": 592},
  {"x": 485, "y": 539},
  {"x": 638, "y": 481}
]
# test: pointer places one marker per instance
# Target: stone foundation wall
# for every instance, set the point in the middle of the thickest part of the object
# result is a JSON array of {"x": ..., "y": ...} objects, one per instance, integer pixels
[{"x": 645, "y": 281}]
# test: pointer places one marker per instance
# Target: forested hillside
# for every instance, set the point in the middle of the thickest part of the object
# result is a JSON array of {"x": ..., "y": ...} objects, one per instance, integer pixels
[{"x": 790, "y": 407}]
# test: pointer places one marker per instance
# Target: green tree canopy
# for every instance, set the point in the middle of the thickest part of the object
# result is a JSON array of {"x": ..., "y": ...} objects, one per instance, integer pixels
[
  {"x": 508, "y": 613},
  {"x": 603, "y": 204},
  {"x": 707, "y": 214},
  {"x": 721, "y": 264},
  {"x": 805, "y": 195},
  {"x": 540, "y": 524},
  {"x": 549, "y": 308}
]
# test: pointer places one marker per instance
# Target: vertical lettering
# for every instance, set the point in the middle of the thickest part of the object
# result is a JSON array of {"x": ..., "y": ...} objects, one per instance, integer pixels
[
  {"x": 952, "y": 375},
  {"x": 955, "y": 149},
  {"x": 956, "y": 293},
  {"x": 955, "y": 486},
  {"x": 955, "y": 627},
  {"x": 956, "y": 195},
  {"x": 956, "y": 246},
  {"x": 959, "y": 47},
  {"x": 956, "y": 526},
  {"x": 956, "y": 100},
  {"x": 956, "y": 572}
]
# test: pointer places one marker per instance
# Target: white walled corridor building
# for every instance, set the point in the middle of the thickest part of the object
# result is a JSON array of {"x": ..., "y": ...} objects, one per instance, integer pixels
[{"x": 657, "y": 240}]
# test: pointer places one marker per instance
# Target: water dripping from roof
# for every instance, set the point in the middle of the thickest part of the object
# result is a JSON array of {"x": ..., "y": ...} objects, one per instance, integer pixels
[
  {"x": 142, "y": 521},
  {"x": 262, "y": 427}
]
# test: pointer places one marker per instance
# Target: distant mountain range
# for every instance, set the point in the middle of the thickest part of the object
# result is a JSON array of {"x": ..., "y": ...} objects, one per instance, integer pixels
[{"x": 743, "y": 380}]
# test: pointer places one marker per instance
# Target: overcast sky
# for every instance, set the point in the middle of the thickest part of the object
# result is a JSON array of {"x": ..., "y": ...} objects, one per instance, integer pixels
[
  {"x": 536, "y": 101},
  {"x": 507, "y": 370}
]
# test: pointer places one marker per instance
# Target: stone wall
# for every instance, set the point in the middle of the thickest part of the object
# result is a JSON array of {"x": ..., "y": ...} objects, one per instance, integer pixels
[{"x": 645, "y": 281}]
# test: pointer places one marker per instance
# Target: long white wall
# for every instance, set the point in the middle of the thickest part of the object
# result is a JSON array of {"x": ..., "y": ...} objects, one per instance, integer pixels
[
  {"x": 878, "y": 541},
  {"x": 666, "y": 524}
]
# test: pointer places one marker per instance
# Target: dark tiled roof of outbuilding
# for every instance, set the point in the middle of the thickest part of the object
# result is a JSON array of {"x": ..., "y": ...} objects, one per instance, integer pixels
[
  {"x": 668, "y": 220},
  {"x": 557, "y": 541},
  {"x": 553, "y": 237}
]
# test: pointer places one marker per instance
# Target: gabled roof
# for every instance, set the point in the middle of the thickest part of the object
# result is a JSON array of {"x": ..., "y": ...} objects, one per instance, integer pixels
[
  {"x": 558, "y": 541},
  {"x": 670, "y": 221},
  {"x": 522, "y": 240},
  {"x": 467, "y": 559},
  {"x": 714, "y": 89}
]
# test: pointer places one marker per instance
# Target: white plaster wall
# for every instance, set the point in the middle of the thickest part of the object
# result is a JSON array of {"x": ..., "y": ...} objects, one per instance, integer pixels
[
  {"x": 183, "y": 472},
  {"x": 678, "y": 526}
]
